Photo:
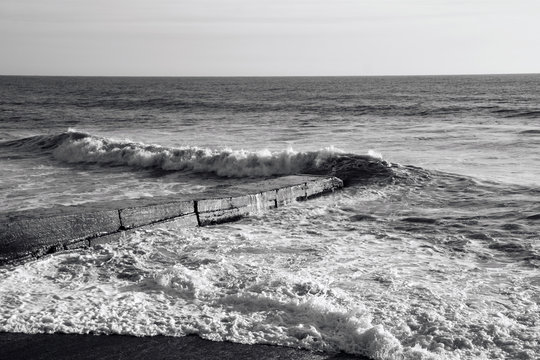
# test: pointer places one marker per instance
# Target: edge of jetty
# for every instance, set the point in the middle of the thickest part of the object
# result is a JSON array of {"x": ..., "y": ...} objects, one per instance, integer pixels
[{"x": 30, "y": 234}]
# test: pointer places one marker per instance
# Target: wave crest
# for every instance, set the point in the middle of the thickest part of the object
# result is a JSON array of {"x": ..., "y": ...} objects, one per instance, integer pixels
[{"x": 77, "y": 147}]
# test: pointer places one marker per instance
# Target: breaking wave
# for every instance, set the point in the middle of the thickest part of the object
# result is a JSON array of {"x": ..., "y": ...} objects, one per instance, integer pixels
[
  {"x": 79, "y": 148},
  {"x": 217, "y": 300}
]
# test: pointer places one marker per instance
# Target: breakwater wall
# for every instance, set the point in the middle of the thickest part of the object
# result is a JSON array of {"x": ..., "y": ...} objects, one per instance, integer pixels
[{"x": 26, "y": 235}]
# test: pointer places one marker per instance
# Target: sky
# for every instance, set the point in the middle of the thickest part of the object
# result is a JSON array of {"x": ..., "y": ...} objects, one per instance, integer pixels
[{"x": 268, "y": 37}]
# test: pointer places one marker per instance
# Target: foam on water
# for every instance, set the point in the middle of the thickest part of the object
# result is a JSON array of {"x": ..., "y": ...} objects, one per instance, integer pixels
[
  {"x": 302, "y": 276},
  {"x": 216, "y": 297}
]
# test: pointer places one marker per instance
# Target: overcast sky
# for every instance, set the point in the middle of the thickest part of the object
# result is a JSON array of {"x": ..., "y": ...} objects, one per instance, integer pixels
[{"x": 268, "y": 37}]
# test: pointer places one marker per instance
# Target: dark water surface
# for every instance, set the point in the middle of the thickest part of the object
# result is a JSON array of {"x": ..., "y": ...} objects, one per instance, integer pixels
[{"x": 431, "y": 252}]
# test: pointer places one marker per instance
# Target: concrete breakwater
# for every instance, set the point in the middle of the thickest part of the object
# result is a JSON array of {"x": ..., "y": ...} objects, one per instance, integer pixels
[{"x": 26, "y": 235}]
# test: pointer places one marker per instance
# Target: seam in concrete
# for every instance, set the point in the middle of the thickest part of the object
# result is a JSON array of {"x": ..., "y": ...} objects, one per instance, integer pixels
[
  {"x": 195, "y": 206},
  {"x": 154, "y": 222},
  {"x": 122, "y": 226}
]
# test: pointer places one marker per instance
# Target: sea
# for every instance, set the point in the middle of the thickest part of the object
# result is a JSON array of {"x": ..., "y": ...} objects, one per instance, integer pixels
[{"x": 431, "y": 251}]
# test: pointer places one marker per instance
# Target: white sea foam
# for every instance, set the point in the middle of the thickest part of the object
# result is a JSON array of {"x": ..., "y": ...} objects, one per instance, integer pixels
[
  {"x": 223, "y": 162},
  {"x": 102, "y": 165},
  {"x": 180, "y": 301},
  {"x": 212, "y": 292},
  {"x": 375, "y": 154},
  {"x": 301, "y": 276}
]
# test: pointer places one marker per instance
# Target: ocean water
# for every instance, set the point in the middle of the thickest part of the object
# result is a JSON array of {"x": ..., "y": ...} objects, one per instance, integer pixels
[{"x": 432, "y": 251}]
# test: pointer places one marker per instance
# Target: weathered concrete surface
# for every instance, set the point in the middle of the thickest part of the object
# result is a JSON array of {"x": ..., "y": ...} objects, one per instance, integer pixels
[
  {"x": 20, "y": 236},
  {"x": 221, "y": 216},
  {"x": 322, "y": 186},
  {"x": 181, "y": 222},
  {"x": 279, "y": 183},
  {"x": 263, "y": 195},
  {"x": 142, "y": 215},
  {"x": 77, "y": 245},
  {"x": 28, "y": 234},
  {"x": 264, "y": 200},
  {"x": 291, "y": 193},
  {"x": 216, "y": 211}
]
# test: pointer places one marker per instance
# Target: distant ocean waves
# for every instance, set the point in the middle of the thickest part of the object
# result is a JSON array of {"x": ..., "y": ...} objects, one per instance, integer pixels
[
  {"x": 82, "y": 148},
  {"x": 395, "y": 107}
]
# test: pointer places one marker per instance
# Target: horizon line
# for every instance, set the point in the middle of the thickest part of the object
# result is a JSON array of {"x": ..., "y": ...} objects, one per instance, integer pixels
[{"x": 265, "y": 76}]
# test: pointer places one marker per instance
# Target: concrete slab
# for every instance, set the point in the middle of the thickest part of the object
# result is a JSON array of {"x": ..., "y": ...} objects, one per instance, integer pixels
[
  {"x": 206, "y": 205},
  {"x": 259, "y": 201},
  {"x": 143, "y": 215},
  {"x": 222, "y": 216},
  {"x": 20, "y": 237},
  {"x": 263, "y": 201},
  {"x": 37, "y": 232},
  {"x": 181, "y": 222},
  {"x": 322, "y": 186},
  {"x": 77, "y": 245},
  {"x": 277, "y": 183},
  {"x": 291, "y": 193}
]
